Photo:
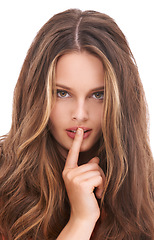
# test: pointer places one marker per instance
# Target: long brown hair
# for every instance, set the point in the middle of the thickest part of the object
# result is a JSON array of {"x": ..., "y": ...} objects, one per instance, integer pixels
[{"x": 33, "y": 200}]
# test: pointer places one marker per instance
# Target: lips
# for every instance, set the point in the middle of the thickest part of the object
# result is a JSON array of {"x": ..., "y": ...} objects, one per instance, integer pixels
[{"x": 72, "y": 131}]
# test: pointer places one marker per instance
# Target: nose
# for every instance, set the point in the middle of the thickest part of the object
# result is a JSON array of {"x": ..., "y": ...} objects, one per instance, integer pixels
[{"x": 80, "y": 112}]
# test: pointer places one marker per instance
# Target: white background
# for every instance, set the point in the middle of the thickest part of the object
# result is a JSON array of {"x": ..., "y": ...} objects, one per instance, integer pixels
[{"x": 20, "y": 20}]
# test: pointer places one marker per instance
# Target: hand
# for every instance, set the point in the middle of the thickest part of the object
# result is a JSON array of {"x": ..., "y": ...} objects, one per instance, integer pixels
[{"x": 80, "y": 182}]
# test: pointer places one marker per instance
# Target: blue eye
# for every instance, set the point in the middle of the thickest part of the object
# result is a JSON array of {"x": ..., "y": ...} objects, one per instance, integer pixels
[
  {"x": 98, "y": 95},
  {"x": 62, "y": 94}
]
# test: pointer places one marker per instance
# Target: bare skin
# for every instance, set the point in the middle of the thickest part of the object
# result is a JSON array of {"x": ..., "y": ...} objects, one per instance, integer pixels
[{"x": 80, "y": 182}]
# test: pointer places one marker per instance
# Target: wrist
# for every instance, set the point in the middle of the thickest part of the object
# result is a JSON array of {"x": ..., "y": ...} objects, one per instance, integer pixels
[
  {"x": 90, "y": 218},
  {"x": 81, "y": 224},
  {"x": 75, "y": 229}
]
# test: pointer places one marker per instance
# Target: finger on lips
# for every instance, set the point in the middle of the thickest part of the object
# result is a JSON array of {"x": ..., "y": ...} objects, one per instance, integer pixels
[
  {"x": 72, "y": 158},
  {"x": 90, "y": 172}
]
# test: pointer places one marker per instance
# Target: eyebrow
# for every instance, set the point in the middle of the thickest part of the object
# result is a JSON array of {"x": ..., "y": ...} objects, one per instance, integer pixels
[{"x": 65, "y": 87}]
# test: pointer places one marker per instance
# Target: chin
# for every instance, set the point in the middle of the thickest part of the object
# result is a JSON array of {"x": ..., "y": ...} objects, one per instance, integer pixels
[{"x": 85, "y": 148}]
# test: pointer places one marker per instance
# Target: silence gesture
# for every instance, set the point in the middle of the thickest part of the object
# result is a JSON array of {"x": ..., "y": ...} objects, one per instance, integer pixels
[{"x": 80, "y": 182}]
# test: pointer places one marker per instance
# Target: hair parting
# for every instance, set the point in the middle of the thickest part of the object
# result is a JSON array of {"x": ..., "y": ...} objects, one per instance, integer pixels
[{"x": 77, "y": 33}]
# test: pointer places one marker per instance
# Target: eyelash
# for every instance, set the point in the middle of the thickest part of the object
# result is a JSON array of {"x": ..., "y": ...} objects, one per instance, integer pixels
[
  {"x": 65, "y": 92},
  {"x": 102, "y": 95},
  {"x": 61, "y": 91}
]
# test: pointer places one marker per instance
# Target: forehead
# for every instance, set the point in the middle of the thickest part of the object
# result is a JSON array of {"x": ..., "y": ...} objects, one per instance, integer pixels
[{"x": 79, "y": 68}]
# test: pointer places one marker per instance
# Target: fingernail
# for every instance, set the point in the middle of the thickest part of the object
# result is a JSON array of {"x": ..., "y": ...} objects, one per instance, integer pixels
[{"x": 79, "y": 131}]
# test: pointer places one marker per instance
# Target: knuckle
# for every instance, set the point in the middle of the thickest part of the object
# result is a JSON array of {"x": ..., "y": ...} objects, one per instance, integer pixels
[
  {"x": 97, "y": 166},
  {"x": 78, "y": 184},
  {"x": 76, "y": 181},
  {"x": 66, "y": 175},
  {"x": 84, "y": 185},
  {"x": 100, "y": 179},
  {"x": 99, "y": 173},
  {"x": 94, "y": 166},
  {"x": 63, "y": 173},
  {"x": 69, "y": 176}
]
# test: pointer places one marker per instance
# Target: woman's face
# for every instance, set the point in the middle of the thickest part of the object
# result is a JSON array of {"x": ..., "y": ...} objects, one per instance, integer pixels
[{"x": 80, "y": 91}]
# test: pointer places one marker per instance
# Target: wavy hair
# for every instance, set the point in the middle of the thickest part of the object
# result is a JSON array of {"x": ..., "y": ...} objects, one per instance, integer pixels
[{"x": 33, "y": 199}]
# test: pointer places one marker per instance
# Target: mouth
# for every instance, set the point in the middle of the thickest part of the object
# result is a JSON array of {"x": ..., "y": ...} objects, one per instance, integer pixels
[{"x": 72, "y": 131}]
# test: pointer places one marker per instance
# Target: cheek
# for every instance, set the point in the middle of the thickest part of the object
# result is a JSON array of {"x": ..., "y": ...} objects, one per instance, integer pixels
[
  {"x": 54, "y": 118},
  {"x": 56, "y": 113},
  {"x": 97, "y": 114},
  {"x": 58, "y": 117}
]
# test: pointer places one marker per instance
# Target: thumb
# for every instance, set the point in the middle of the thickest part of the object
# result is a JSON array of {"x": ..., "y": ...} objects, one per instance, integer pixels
[{"x": 94, "y": 160}]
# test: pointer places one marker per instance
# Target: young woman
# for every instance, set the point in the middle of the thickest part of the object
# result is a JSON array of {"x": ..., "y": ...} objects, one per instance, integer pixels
[{"x": 76, "y": 163}]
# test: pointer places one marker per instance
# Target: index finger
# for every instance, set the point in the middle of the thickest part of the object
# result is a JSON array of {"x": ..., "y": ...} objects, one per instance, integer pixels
[{"x": 73, "y": 154}]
